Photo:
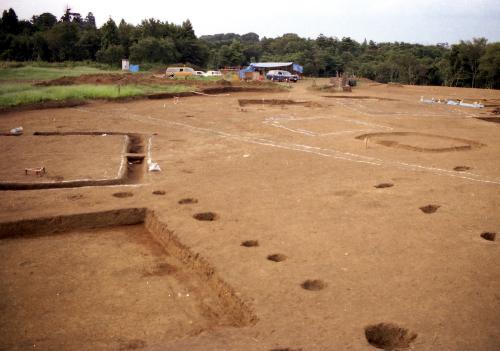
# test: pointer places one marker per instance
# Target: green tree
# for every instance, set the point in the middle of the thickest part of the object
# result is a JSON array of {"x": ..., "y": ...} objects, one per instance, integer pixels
[
  {"x": 62, "y": 42},
  {"x": 231, "y": 55},
  {"x": 112, "y": 55},
  {"x": 109, "y": 34},
  {"x": 89, "y": 21},
  {"x": 89, "y": 44},
  {"x": 465, "y": 59},
  {"x": 489, "y": 66},
  {"x": 9, "y": 23},
  {"x": 154, "y": 50},
  {"x": 44, "y": 22},
  {"x": 126, "y": 33}
]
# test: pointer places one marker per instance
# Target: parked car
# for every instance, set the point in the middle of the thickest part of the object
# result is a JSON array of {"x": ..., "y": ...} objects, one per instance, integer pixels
[
  {"x": 213, "y": 74},
  {"x": 199, "y": 73},
  {"x": 281, "y": 76},
  {"x": 174, "y": 72}
]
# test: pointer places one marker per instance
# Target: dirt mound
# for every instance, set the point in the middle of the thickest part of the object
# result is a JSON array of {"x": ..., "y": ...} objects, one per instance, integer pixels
[
  {"x": 45, "y": 105},
  {"x": 148, "y": 78},
  {"x": 108, "y": 78}
]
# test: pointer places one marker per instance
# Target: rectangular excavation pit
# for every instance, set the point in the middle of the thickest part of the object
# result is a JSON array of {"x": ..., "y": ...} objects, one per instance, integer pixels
[
  {"x": 72, "y": 159},
  {"x": 106, "y": 280}
]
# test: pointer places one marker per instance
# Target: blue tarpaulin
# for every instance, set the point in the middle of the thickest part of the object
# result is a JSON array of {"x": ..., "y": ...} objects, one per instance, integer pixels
[
  {"x": 298, "y": 68},
  {"x": 134, "y": 68},
  {"x": 245, "y": 70}
]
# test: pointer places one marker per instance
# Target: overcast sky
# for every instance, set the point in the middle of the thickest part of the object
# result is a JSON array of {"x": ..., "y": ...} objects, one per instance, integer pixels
[{"x": 422, "y": 21}]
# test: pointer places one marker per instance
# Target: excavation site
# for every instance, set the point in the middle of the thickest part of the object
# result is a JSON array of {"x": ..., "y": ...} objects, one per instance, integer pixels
[{"x": 265, "y": 218}]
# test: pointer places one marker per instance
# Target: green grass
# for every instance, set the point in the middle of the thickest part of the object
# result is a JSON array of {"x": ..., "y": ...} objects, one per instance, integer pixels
[
  {"x": 30, "y": 72},
  {"x": 22, "y": 93}
]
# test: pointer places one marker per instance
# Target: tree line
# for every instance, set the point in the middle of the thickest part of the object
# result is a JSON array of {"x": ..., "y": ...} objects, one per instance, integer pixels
[{"x": 473, "y": 63}]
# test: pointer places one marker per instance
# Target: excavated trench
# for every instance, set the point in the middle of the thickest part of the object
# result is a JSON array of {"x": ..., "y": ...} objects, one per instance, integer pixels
[
  {"x": 100, "y": 261},
  {"x": 131, "y": 172},
  {"x": 421, "y": 142}
]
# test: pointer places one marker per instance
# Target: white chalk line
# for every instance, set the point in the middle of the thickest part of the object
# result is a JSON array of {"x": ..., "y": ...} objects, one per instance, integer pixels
[
  {"x": 150, "y": 145},
  {"x": 331, "y": 153},
  {"x": 351, "y": 105},
  {"x": 277, "y": 121},
  {"x": 123, "y": 158}
]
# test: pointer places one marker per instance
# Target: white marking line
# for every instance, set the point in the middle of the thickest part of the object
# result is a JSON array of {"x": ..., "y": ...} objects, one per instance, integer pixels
[
  {"x": 351, "y": 105},
  {"x": 331, "y": 153},
  {"x": 150, "y": 145},
  {"x": 124, "y": 151},
  {"x": 279, "y": 120}
]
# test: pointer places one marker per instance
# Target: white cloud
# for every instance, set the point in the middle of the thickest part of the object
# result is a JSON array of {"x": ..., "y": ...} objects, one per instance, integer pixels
[{"x": 381, "y": 20}]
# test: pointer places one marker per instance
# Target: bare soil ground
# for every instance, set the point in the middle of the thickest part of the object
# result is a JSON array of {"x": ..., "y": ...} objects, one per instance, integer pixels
[
  {"x": 69, "y": 157},
  {"x": 112, "y": 287},
  {"x": 325, "y": 224}
]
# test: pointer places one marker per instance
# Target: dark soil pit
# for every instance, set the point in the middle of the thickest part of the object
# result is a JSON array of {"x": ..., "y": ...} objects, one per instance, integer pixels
[
  {"x": 277, "y": 257},
  {"x": 75, "y": 197},
  {"x": 123, "y": 194},
  {"x": 135, "y": 160},
  {"x": 135, "y": 344},
  {"x": 429, "y": 209},
  {"x": 384, "y": 185},
  {"x": 188, "y": 201},
  {"x": 250, "y": 243},
  {"x": 389, "y": 336},
  {"x": 313, "y": 285},
  {"x": 120, "y": 279},
  {"x": 205, "y": 216},
  {"x": 490, "y": 236},
  {"x": 136, "y": 144},
  {"x": 461, "y": 168},
  {"x": 135, "y": 170},
  {"x": 159, "y": 192}
]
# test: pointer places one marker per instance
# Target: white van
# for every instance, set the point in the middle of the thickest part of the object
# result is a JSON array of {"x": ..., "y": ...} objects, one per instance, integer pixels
[
  {"x": 213, "y": 74},
  {"x": 173, "y": 72}
]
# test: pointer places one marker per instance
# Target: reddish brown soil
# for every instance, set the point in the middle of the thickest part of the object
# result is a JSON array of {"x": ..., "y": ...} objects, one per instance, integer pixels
[
  {"x": 109, "y": 287},
  {"x": 292, "y": 178},
  {"x": 72, "y": 157}
]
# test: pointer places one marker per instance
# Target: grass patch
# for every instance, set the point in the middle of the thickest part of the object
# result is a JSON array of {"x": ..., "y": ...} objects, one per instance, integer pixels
[
  {"x": 21, "y": 94},
  {"x": 177, "y": 88},
  {"x": 30, "y": 72}
]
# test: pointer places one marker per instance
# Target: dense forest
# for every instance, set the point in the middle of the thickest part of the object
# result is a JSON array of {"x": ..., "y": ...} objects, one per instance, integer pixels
[{"x": 72, "y": 37}]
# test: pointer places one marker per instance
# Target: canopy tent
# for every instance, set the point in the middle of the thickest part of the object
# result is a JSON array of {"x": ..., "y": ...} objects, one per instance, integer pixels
[
  {"x": 260, "y": 65},
  {"x": 269, "y": 65}
]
